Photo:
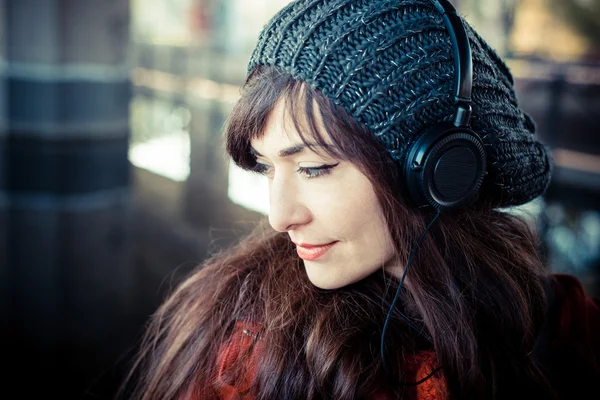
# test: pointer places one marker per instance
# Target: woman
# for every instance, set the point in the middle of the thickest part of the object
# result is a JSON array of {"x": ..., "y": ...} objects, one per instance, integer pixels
[{"x": 392, "y": 140}]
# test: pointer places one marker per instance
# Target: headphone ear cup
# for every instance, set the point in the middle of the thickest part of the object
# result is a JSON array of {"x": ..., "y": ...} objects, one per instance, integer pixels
[{"x": 445, "y": 167}]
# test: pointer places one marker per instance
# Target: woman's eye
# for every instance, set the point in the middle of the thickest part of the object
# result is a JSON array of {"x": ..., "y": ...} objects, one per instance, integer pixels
[
  {"x": 313, "y": 172},
  {"x": 306, "y": 172},
  {"x": 263, "y": 169}
]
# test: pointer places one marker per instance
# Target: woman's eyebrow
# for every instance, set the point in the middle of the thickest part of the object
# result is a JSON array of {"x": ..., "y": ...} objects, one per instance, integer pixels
[{"x": 288, "y": 151}]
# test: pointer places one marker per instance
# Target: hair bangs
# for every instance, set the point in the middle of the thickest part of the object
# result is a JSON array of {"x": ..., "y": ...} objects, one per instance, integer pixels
[{"x": 312, "y": 115}]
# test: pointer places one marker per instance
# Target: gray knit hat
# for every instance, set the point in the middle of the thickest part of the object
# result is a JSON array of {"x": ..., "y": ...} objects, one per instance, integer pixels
[{"x": 389, "y": 63}]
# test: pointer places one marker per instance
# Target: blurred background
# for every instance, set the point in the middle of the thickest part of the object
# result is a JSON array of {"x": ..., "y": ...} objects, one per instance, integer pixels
[{"x": 114, "y": 184}]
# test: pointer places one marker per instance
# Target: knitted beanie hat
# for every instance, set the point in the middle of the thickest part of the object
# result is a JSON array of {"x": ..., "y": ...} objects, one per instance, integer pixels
[{"x": 389, "y": 64}]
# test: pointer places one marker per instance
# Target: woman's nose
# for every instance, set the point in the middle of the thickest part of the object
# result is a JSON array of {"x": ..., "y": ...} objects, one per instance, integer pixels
[{"x": 287, "y": 210}]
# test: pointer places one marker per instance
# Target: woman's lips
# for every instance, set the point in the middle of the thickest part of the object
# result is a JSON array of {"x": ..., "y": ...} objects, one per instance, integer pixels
[{"x": 312, "y": 252}]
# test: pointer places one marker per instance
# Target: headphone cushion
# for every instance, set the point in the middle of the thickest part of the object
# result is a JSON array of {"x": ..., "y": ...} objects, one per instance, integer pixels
[
  {"x": 445, "y": 168},
  {"x": 454, "y": 174}
]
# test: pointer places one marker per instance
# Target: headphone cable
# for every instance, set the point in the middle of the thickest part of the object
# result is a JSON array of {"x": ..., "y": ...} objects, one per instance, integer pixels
[{"x": 393, "y": 306}]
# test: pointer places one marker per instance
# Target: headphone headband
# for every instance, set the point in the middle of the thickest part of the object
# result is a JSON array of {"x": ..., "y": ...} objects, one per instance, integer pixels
[
  {"x": 444, "y": 168},
  {"x": 462, "y": 61}
]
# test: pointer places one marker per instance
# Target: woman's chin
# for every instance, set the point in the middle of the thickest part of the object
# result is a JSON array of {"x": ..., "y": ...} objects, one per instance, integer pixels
[{"x": 331, "y": 282}]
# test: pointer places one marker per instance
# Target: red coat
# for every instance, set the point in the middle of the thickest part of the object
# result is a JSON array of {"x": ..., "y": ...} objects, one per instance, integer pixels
[{"x": 571, "y": 349}]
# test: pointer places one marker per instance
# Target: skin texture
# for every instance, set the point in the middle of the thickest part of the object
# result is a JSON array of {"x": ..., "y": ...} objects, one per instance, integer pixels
[{"x": 319, "y": 200}]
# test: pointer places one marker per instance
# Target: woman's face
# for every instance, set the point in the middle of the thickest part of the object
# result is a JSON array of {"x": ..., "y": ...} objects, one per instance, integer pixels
[{"x": 327, "y": 206}]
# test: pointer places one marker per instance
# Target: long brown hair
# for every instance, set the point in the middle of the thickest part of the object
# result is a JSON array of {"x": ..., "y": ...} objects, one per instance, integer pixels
[{"x": 475, "y": 287}]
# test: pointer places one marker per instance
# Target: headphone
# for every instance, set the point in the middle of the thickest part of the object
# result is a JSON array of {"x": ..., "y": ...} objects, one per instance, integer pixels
[{"x": 445, "y": 166}]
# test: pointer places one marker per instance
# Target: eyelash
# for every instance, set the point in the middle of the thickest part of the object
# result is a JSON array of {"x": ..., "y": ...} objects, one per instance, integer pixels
[{"x": 307, "y": 172}]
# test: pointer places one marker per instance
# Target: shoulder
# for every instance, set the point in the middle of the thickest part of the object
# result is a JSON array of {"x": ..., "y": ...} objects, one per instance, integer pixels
[
  {"x": 239, "y": 358},
  {"x": 428, "y": 378},
  {"x": 578, "y": 312},
  {"x": 571, "y": 354},
  {"x": 237, "y": 361}
]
